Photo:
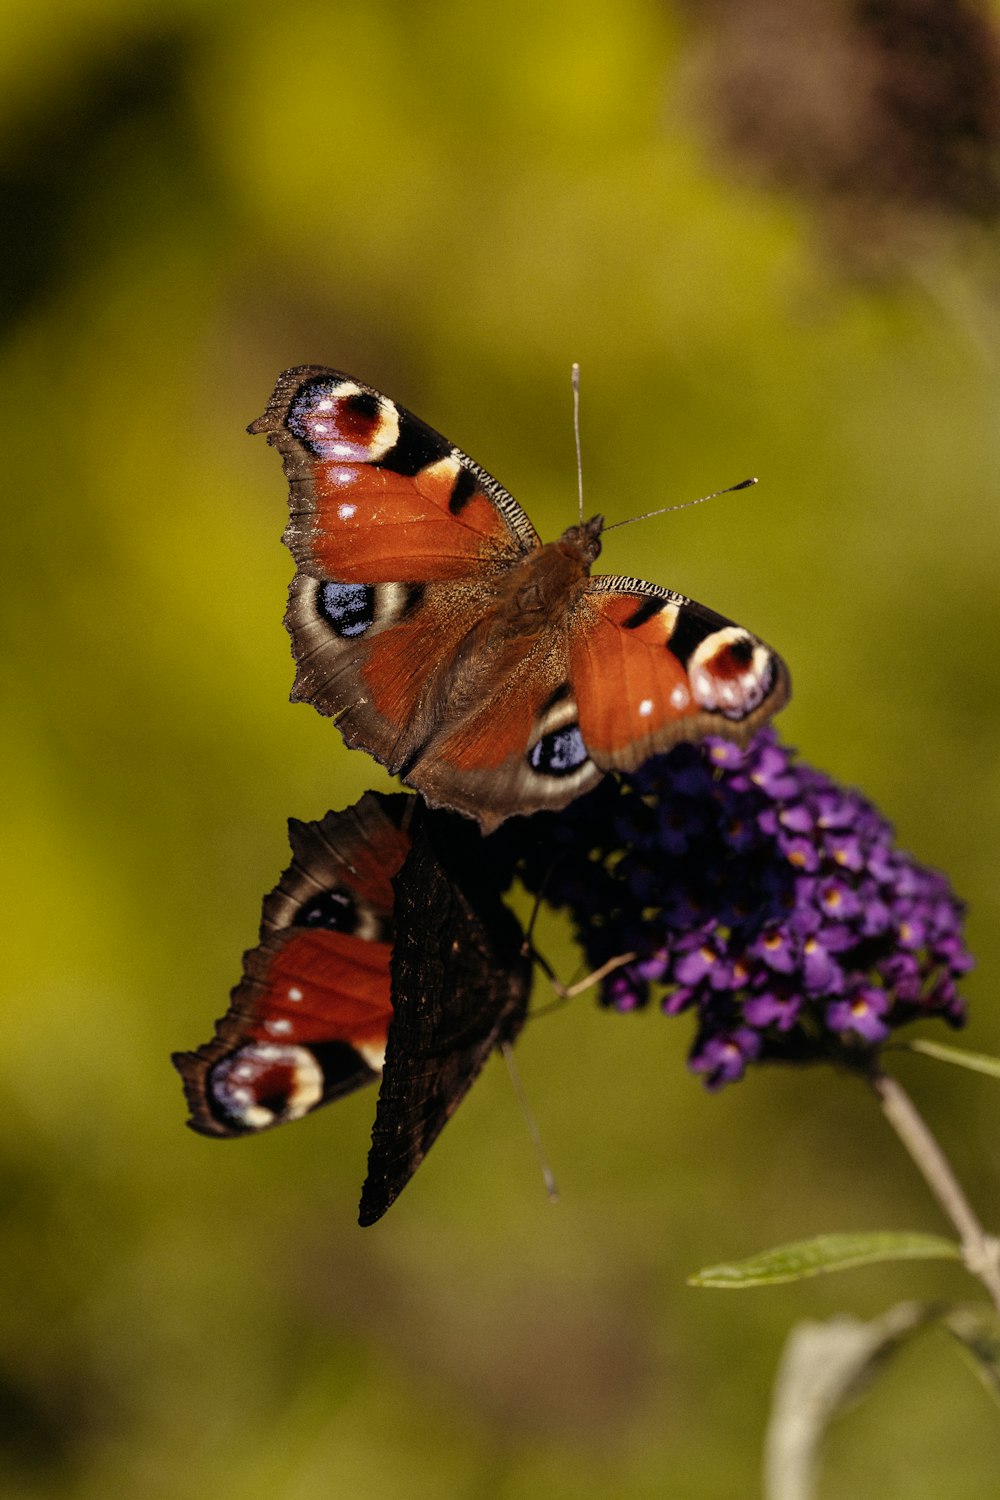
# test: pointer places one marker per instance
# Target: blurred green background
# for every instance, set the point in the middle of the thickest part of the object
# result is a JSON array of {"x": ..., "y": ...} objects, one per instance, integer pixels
[{"x": 454, "y": 202}]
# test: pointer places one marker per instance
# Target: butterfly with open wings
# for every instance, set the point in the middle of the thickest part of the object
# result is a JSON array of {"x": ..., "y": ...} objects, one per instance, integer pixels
[{"x": 488, "y": 670}]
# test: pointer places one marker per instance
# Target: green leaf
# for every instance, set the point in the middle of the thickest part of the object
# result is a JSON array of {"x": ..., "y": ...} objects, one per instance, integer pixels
[
  {"x": 976, "y": 1062},
  {"x": 977, "y": 1329},
  {"x": 827, "y": 1252}
]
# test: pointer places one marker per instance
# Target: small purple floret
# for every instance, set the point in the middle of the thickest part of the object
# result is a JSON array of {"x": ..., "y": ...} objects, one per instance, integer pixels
[
  {"x": 861, "y": 1014},
  {"x": 722, "y": 1056}
]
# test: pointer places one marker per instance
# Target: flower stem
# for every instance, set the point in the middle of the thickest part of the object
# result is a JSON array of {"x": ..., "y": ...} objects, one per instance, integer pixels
[{"x": 980, "y": 1251}]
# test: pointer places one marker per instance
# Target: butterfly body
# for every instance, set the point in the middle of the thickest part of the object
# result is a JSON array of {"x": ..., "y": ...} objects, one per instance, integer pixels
[{"x": 492, "y": 672}]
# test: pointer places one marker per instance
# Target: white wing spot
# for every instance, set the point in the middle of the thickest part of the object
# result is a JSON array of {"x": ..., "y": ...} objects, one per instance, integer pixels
[
  {"x": 294, "y": 993},
  {"x": 346, "y": 511},
  {"x": 680, "y": 697},
  {"x": 373, "y": 1053},
  {"x": 645, "y": 708},
  {"x": 279, "y": 1027}
]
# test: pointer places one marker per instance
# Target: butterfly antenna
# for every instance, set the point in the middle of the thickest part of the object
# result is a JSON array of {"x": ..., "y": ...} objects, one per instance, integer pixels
[
  {"x": 564, "y": 992},
  {"x": 536, "y": 1139},
  {"x": 528, "y": 949},
  {"x": 744, "y": 484},
  {"x": 575, "y": 377},
  {"x": 596, "y": 975}
]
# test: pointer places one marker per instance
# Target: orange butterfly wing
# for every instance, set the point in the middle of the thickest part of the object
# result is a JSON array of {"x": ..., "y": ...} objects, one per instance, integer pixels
[
  {"x": 651, "y": 668},
  {"x": 309, "y": 1019},
  {"x": 377, "y": 496}
]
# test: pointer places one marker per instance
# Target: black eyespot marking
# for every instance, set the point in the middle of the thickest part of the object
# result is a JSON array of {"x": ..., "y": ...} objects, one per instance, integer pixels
[
  {"x": 741, "y": 651},
  {"x": 560, "y": 753},
  {"x": 415, "y": 448},
  {"x": 363, "y": 405},
  {"x": 341, "y": 1063},
  {"x": 348, "y": 607},
  {"x": 690, "y": 629},
  {"x": 275, "y": 1094},
  {"x": 643, "y": 612},
  {"x": 465, "y": 486},
  {"x": 263, "y": 1083},
  {"x": 334, "y": 909},
  {"x": 561, "y": 692}
]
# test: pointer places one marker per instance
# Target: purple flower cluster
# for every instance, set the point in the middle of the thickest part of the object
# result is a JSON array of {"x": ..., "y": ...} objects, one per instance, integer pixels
[{"x": 762, "y": 896}]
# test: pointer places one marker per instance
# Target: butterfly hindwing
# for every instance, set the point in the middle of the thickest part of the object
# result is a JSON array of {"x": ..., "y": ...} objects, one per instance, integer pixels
[{"x": 460, "y": 987}]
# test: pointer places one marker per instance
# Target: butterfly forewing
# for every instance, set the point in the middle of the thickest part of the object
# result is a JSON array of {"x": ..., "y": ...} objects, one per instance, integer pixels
[
  {"x": 652, "y": 668},
  {"x": 309, "y": 1019},
  {"x": 377, "y": 496}
]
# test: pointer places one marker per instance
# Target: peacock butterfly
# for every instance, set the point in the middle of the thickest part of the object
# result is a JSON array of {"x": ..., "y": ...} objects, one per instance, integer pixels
[
  {"x": 487, "y": 670},
  {"x": 385, "y": 951}
]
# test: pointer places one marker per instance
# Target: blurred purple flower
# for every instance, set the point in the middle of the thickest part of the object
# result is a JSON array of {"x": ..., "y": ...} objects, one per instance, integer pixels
[{"x": 760, "y": 894}]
